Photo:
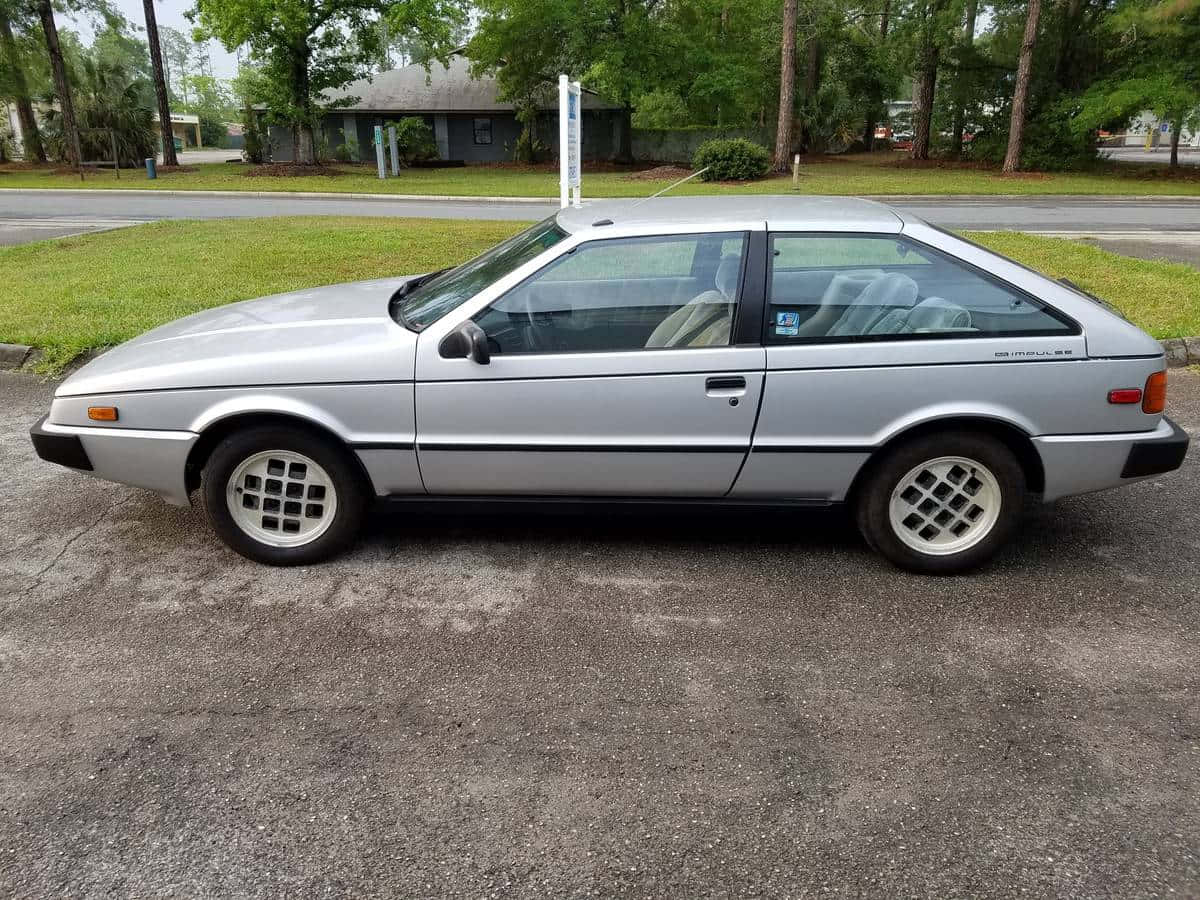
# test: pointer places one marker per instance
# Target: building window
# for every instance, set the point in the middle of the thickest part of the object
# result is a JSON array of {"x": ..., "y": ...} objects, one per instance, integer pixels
[{"x": 483, "y": 131}]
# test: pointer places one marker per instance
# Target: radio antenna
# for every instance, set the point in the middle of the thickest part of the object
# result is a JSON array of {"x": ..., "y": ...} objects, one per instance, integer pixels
[{"x": 671, "y": 187}]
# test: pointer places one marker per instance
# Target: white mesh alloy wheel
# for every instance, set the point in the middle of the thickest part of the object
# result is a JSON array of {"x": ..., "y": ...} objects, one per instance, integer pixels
[
  {"x": 281, "y": 498},
  {"x": 945, "y": 505}
]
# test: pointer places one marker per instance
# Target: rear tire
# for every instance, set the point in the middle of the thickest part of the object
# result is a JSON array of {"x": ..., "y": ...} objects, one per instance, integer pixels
[
  {"x": 943, "y": 503},
  {"x": 283, "y": 496}
]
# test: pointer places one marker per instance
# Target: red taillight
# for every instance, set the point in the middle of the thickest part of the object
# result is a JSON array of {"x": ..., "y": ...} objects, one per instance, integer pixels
[
  {"x": 1154, "y": 400},
  {"x": 1125, "y": 395}
]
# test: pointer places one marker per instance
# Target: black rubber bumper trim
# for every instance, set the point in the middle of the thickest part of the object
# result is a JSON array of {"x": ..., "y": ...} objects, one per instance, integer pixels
[
  {"x": 62, "y": 449},
  {"x": 1154, "y": 457}
]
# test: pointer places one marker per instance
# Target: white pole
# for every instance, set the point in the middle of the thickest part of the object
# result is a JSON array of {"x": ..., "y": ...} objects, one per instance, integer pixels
[
  {"x": 579, "y": 141},
  {"x": 564, "y": 89}
]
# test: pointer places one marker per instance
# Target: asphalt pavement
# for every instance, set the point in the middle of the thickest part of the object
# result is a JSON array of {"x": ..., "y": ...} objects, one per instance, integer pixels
[
  {"x": 651, "y": 706},
  {"x": 1089, "y": 214}
]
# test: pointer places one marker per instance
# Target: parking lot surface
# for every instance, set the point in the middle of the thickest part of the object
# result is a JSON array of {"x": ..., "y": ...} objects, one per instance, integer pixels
[{"x": 643, "y": 705}]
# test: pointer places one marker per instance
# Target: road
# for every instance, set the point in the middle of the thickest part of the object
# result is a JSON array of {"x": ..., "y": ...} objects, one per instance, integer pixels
[
  {"x": 646, "y": 706},
  {"x": 1151, "y": 229}
]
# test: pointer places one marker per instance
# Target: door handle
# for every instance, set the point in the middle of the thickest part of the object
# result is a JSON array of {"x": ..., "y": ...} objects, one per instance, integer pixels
[
  {"x": 729, "y": 383},
  {"x": 725, "y": 386}
]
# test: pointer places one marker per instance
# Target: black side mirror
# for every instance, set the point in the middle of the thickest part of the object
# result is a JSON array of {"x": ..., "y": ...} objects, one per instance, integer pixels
[{"x": 467, "y": 341}]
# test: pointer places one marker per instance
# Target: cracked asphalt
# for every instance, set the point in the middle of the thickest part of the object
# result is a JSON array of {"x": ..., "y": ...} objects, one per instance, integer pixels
[{"x": 650, "y": 705}]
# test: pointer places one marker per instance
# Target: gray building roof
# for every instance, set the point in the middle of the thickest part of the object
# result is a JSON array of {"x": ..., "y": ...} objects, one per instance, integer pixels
[{"x": 443, "y": 89}]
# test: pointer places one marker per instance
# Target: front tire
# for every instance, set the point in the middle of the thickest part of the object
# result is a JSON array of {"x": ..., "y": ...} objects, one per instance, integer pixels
[
  {"x": 283, "y": 496},
  {"x": 943, "y": 503}
]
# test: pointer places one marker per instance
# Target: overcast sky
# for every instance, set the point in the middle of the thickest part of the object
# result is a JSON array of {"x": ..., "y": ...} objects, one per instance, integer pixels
[{"x": 169, "y": 13}]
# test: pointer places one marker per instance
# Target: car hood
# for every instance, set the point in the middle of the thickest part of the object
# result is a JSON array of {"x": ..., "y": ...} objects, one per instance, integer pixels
[{"x": 318, "y": 335}]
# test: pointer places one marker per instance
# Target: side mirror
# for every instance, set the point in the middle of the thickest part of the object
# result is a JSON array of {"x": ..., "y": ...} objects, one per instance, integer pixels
[{"x": 467, "y": 341}]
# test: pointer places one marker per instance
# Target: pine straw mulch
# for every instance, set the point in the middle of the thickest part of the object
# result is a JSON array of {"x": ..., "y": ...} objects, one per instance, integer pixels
[
  {"x": 291, "y": 170},
  {"x": 659, "y": 173}
]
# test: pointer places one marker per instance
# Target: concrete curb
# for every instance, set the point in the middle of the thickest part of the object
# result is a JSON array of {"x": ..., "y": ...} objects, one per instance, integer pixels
[
  {"x": 453, "y": 198},
  {"x": 1182, "y": 351},
  {"x": 13, "y": 356}
]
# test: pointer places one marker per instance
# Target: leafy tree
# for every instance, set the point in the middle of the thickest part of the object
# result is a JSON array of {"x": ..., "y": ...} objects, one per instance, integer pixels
[
  {"x": 1154, "y": 66},
  {"x": 306, "y": 47},
  {"x": 614, "y": 46},
  {"x": 660, "y": 109},
  {"x": 15, "y": 63}
]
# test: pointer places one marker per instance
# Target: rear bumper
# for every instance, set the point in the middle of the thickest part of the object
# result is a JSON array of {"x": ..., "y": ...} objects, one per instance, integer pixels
[
  {"x": 1156, "y": 456},
  {"x": 1080, "y": 463},
  {"x": 155, "y": 460}
]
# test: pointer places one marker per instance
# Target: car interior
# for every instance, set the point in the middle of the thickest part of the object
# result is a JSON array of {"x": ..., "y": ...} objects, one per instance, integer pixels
[{"x": 584, "y": 305}]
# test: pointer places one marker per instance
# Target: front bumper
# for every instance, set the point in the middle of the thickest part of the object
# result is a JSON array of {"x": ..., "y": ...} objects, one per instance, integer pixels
[
  {"x": 155, "y": 460},
  {"x": 1080, "y": 463},
  {"x": 60, "y": 449}
]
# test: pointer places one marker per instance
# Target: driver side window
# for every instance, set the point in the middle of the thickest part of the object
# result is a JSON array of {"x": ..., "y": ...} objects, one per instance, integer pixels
[{"x": 661, "y": 292}]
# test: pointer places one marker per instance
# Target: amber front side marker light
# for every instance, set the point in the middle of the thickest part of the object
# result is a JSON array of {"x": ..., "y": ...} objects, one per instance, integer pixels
[{"x": 102, "y": 413}]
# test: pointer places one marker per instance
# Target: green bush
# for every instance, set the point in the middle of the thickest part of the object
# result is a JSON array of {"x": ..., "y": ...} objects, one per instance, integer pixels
[
  {"x": 414, "y": 140},
  {"x": 732, "y": 159}
]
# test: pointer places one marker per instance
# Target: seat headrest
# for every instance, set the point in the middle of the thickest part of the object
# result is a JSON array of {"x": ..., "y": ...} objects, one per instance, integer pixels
[{"x": 727, "y": 275}]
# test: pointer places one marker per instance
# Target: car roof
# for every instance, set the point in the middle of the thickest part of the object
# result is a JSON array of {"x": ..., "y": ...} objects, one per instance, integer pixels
[{"x": 780, "y": 212}]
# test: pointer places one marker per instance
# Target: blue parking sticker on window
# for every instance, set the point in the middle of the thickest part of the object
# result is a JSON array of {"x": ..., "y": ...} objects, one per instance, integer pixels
[
  {"x": 787, "y": 319},
  {"x": 787, "y": 330}
]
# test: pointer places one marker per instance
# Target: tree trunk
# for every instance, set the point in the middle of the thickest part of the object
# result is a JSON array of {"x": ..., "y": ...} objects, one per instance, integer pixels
[
  {"x": 306, "y": 150},
  {"x": 923, "y": 88},
  {"x": 1176, "y": 127},
  {"x": 31, "y": 139},
  {"x": 787, "y": 87},
  {"x": 869, "y": 131},
  {"x": 61, "y": 85},
  {"x": 160, "y": 87},
  {"x": 1066, "y": 44},
  {"x": 1016, "y": 127},
  {"x": 812, "y": 84},
  {"x": 960, "y": 91},
  {"x": 625, "y": 145}
]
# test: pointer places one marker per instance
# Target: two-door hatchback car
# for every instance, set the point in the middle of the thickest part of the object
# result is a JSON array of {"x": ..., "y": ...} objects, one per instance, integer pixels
[{"x": 735, "y": 350}]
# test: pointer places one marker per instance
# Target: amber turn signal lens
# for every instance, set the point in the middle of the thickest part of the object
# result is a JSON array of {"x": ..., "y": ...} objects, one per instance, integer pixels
[
  {"x": 102, "y": 413},
  {"x": 1154, "y": 399}
]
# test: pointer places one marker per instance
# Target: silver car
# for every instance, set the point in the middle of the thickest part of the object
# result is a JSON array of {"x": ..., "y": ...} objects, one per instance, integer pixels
[{"x": 732, "y": 351}]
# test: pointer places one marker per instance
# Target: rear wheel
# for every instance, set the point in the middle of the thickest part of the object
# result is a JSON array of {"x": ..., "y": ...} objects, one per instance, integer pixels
[
  {"x": 942, "y": 503},
  {"x": 283, "y": 496}
]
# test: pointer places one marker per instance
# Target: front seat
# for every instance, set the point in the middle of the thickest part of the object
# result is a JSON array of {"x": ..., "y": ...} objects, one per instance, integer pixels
[{"x": 706, "y": 319}]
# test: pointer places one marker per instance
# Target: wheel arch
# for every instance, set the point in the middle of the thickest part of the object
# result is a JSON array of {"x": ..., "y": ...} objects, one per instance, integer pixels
[
  {"x": 1015, "y": 438},
  {"x": 218, "y": 429}
]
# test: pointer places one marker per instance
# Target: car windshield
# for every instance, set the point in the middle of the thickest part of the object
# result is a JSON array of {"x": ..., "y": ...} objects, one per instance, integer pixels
[{"x": 431, "y": 300}]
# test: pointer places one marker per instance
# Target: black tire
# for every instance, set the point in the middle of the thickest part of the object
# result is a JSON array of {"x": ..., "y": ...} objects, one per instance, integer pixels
[
  {"x": 874, "y": 497},
  {"x": 352, "y": 494}
]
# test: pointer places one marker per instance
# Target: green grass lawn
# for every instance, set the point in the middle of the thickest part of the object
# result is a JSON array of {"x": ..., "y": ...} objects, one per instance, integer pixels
[
  {"x": 873, "y": 174},
  {"x": 69, "y": 295}
]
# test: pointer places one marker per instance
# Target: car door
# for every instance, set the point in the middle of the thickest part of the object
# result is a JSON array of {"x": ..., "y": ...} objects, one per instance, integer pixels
[
  {"x": 868, "y": 335},
  {"x": 614, "y": 371}
]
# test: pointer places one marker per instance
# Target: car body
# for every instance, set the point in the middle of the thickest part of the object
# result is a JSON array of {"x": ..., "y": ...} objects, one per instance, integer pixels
[{"x": 739, "y": 350}]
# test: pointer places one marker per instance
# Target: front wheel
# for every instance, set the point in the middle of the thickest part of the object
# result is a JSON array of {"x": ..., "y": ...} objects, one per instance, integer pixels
[
  {"x": 943, "y": 503},
  {"x": 283, "y": 495}
]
